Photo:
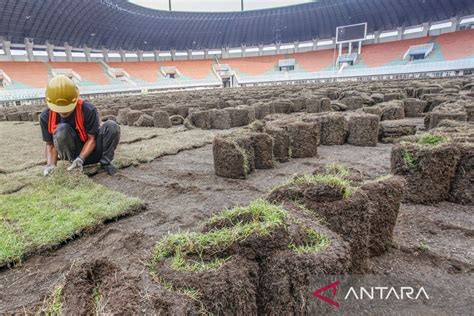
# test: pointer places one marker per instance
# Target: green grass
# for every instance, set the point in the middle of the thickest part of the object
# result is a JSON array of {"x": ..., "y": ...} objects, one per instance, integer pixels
[
  {"x": 54, "y": 306},
  {"x": 187, "y": 291},
  {"x": 338, "y": 169},
  {"x": 258, "y": 211},
  {"x": 181, "y": 264},
  {"x": 246, "y": 162},
  {"x": 262, "y": 216},
  {"x": 333, "y": 181},
  {"x": 316, "y": 242},
  {"x": 409, "y": 160},
  {"x": 97, "y": 300},
  {"x": 423, "y": 246},
  {"x": 54, "y": 209},
  {"x": 378, "y": 179},
  {"x": 432, "y": 140}
]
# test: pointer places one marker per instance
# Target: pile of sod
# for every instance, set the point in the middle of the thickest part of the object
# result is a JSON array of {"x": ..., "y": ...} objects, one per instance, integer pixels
[
  {"x": 259, "y": 218},
  {"x": 218, "y": 266},
  {"x": 53, "y": 210},
  {"x": 334, "y": 176}
]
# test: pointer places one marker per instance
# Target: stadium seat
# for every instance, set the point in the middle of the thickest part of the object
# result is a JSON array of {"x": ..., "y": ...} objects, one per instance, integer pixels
[
  {"x": 254, "y": 66},
  {"x": 144, "y": 71},
  {"x": 26, "y": 74},
  {"x": 91, "y": 73},
  {"x": 315, "y": 61},
  {"x": 388, "y": 53},
  {"x": 457, "y": 45},
  {"x": 149, "y": 71},
  {"x": 191, "y": 69},
  {"x": 305, "y": 62}
]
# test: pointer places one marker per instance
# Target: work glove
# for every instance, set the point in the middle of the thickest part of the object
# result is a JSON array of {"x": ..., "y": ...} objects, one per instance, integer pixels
[
  {"x": 48, "y": 170},
  {"x": 78, "y": 163}
]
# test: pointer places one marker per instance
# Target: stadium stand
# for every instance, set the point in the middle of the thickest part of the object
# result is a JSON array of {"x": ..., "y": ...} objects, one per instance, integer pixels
[
  {"x": 91, "y": 73},
  {"x": 390, "y": 53},
  {"x": 26, "y": 74},
  {"x": 315, "y": 61},
  {"x": 448, "y": 50},
  {"x": 150, "y": 71},
  {"x": 191, "y": 69},
  {"x": 305, "y": 62},
  {"x": 457, "y": 45},
  {"x": 254, "y": 66},
  {"x": 452, "y": 46},
  {"x": 145, "y": 71}
]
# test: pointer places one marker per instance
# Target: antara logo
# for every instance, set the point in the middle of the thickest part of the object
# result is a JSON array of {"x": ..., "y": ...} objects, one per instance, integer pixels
[
  {"x": 385, "y": 293},
  {"x": 371, "y": 293},
  {"x": 333, "y": 287}
]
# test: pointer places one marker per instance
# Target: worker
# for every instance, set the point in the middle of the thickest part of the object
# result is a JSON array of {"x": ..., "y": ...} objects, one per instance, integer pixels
[{"x": 72, "y": 131}]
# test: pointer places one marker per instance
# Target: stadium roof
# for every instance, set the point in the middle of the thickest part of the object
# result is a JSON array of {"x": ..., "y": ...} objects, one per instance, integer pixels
[
  {"x": 216, "y": 5},
  {"x": 118, "y": 24}
]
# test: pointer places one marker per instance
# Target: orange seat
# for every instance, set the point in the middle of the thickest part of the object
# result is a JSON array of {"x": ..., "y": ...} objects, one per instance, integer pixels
[
  {"x": 457, "y": 45},
  {"x": 381, "y": 54},
  {"x": 253, "y": 66},
  {"x": 194, "y": 69},
  {"x": 317, "y": 60},
  {"x": 308, "y": 61},
  {"x": 144, "y": 70},
  {"x": 149, "y": 70},
  {"x": 92, "y": 71},
  {"x": 33, "y": 74}
]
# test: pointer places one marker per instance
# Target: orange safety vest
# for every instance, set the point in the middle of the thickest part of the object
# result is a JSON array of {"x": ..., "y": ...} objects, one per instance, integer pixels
[{"x": 53, "y": 122}]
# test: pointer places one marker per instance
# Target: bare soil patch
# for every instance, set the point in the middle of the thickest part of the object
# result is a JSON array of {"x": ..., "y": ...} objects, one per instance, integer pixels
[{"x": 181, "y": 190}]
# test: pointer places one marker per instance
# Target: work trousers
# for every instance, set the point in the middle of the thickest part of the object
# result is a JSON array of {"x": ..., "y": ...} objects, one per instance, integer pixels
[{"x": 69, "y": 146}]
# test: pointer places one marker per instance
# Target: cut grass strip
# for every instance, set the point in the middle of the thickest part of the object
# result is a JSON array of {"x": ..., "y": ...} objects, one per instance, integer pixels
[
  {"x": 13, "y": 182},
  {"x": 188, "y": 291},
  {"x": 431, "y": 140},
  {"x": 333, "y": 181},
  {"x": 316, "y": 242},
  {"x": 409, "y": 160},
  {"x": 53, "y": 304},
  {"x": 338, "y": 169},
  {"x": 53, "y": 210},
  {"x": 181, "y": 264}
]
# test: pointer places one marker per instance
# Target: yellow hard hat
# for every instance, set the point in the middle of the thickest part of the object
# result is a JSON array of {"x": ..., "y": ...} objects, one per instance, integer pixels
[{"x": 61, "y": 94}]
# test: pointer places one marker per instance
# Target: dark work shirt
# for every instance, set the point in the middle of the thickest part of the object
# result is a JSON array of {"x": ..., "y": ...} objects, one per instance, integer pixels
[{"x": 91, "y": 121}]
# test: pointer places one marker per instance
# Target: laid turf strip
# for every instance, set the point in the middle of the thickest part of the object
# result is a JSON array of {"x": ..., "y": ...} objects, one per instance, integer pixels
[{"x": 53, "y": 210}]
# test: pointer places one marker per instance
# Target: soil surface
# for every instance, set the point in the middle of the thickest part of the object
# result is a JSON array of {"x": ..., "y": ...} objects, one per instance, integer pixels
[{"x": 181, "y": 190}]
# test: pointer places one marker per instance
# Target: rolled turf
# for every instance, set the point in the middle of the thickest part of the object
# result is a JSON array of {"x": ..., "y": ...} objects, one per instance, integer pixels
[{"x": 53, "y": 210}]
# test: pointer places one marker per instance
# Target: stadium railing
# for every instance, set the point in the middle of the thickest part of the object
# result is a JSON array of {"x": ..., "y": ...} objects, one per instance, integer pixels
[{"x": 27, "y": 94}]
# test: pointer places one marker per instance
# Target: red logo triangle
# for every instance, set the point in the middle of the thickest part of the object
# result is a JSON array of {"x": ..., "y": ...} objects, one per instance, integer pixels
[{"x": 333, "y": 287}]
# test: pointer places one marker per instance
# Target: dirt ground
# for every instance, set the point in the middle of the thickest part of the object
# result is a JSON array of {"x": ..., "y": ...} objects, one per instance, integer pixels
[
  {"x": 181, "y": 190},
  {"x": 137, "y": 145}
]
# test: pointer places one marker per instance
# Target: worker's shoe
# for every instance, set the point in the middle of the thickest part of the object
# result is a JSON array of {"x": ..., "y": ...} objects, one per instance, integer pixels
[{"x": 110, "y": 169}]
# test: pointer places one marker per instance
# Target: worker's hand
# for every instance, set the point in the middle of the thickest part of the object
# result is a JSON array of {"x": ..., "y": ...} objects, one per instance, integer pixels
[
  {"x": 48, "y": 170},
  {"x": 77, "y": 164}
]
